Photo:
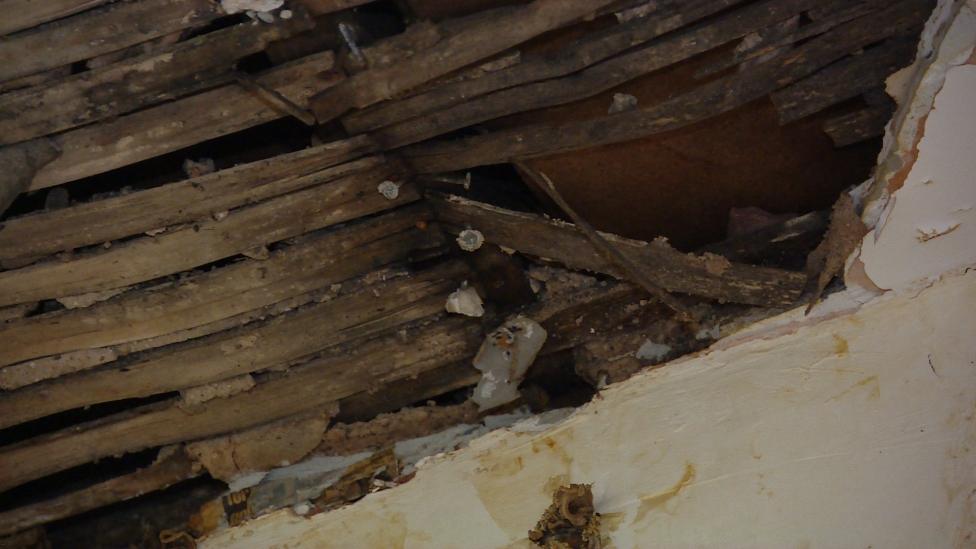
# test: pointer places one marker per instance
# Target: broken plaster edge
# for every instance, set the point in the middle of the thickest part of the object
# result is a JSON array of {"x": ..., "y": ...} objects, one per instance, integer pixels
[{"x": 947, "y": 42}]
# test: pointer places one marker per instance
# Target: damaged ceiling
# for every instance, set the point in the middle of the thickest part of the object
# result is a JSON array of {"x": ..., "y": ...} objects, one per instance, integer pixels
[{"x": 269, "y": 253}]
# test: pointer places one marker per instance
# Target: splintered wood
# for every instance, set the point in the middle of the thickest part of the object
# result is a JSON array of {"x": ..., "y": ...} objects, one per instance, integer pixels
[{"x": 843, "y": 237}]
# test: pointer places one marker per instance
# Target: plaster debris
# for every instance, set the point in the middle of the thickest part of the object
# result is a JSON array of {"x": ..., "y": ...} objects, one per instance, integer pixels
[
  {"x": 715, "y": 264},
  {"x": 219, "y": 216},
  {"x": 636, "y": 12},
  {"x": 570, "y": 521},
  {"x": 237, "y": 6},
  {"x": 196, "y": 168},
  {"x": 470, "y": 240},
  {"x": 349, "y": 438},
  {"x": 265, "y": 17},
  {"x": 714, "y": 332},
  {"x": 261, "y": 448},
  {"x": 654, "y": 352},
  {"x": 26, "y": 373},
  {"x": 219, "y": 389},
  {"x": 503, "y": 360},
  {"x": 389, "y": 189},
  {"x": 622, "y": 102},
  {"x": 465, "y": 301},
  {"x": 91, "y": 298},
  {"x": 259, "y": 253},
  {"x": 538, "y": 422},
  {"x": 285, "y": 14}
]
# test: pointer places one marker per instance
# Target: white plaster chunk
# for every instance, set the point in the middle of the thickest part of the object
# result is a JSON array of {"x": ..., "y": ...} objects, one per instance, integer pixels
[
  {"x": 622, "y": 102},
  {"x": 470, "y": 240},
  {"x": 217, "y": 389},
  {"x": 389, "y": 189},
  {"x": 465, "y": 301},
  {"x": 237, "y": 6},
  {"x": 654, "y": 352},
  {"x": 504, "y": 358}
]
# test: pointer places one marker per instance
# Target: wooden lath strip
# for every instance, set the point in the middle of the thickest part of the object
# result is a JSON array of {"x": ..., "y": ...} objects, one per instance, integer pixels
[
  {"x": 150, "y": 257},
  {"x": 315, "y": 261},
  {"x": 26, "y": 239},
  {"x": 132, "y": 84},
  {"x": 178, "y": 124},
  {"x": 24, "y": 14},
  {"x": 170, "y": 468},
  {"x": 252, "y": 348},
  {"x": 347, "y": 370},
  {"x": 98, "y": 31},
  {"x": 843, "y": 80}
]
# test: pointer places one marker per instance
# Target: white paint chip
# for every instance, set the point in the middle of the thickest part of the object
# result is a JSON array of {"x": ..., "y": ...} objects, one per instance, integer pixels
[
  {"x": 465, "y": 301},
  {"x": 237, "y": 6},
  {"x": 653, "y": 351}
]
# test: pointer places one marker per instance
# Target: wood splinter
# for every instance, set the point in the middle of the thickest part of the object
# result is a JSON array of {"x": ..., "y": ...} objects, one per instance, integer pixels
[
  {"x": 274, "y": 99},
  {"x": 608, "y": 251}
]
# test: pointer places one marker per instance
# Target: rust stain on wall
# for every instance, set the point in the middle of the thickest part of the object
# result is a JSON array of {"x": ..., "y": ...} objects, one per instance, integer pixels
[
  {"x": 871, "y": 382},
  {"x": 649, "y": 503}
]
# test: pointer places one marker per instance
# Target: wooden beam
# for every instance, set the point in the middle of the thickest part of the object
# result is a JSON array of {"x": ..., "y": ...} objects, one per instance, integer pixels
[
  {"x": 345, "y": 371},
  {"x": 593, "y": 80},
  {"x": 579, "y": 54},
  {"x": 169, "y": 469},
  {"x": 24, "y": 14},
  {"x": 249, "y": 349},
  {"x": 713, "y": 278},
  {"x": 98, "y": 31},
  {"x": 132, "y": 84},
  {"x": 845, "y": 79},
  {"x": 709, "y": 100},
  {"x": 484, "y": 34},
  {"x": 19, "y": 164},
  {"x": 28, "y": 238},
  {"x": 315, "y": 261},
  {"x": 205, "y": 241},
  {"x": 178, "y": 124}
]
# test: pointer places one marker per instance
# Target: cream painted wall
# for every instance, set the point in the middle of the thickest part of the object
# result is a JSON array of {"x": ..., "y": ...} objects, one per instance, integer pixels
[{"x": 853, "y": 427}]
